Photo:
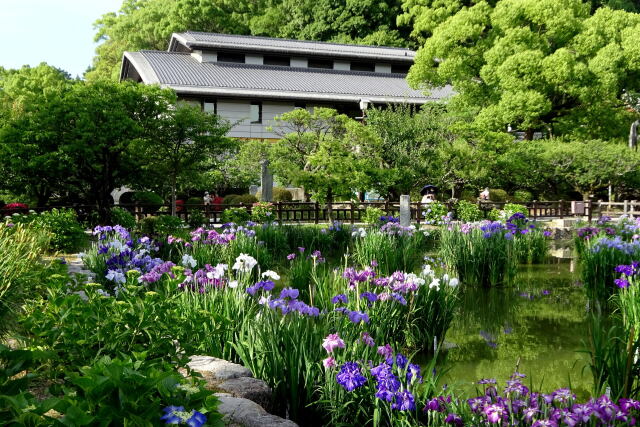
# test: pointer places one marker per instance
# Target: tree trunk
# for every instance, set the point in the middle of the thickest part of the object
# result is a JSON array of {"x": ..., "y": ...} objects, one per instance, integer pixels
[
  {"x": 330, "y": 204},
  {"x": 528, "y": 134},
  {"x": 173, "y": 195},
  {"x": 361, "y": 195}
]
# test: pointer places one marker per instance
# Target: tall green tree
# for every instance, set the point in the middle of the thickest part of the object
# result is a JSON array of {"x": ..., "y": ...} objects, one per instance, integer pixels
[
  {"x": 148, "y": 24},
  {"x": 32, "y": 163},
  {"x": 181, "y": 143},
  {"x": 410, "y": 141},
  {"x": 537, "y": 65},
  {"x": 325, "y": 152}
]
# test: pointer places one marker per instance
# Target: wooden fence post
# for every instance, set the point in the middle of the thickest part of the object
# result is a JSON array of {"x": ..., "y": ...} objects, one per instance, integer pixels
[
  {"x": 353, "y": 213},
  {"x": 279, "y": 208},
  {"x": 535, "y": 211},
  {"x": 386, "y": 207},
  {"x": 589, "y": 204},
  {"x": 626, "y": 207},
  {"x": 317, "y": 215},
  {"x": 633, "y": 207},
  {"x": 419, "y": 211},
  {"x": 561, "y": 204}
]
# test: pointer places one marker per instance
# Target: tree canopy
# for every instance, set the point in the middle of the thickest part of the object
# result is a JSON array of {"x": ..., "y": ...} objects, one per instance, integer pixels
[{"x": 537, "y": 65}]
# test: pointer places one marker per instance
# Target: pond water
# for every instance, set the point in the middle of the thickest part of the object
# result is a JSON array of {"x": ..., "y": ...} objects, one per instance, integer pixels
[{"x": 539, "y": 325}]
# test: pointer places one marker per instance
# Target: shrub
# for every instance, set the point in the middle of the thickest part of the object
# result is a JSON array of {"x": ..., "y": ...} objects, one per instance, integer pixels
[
  {"x": 372, "y": 215},
  {"x": 123, "y": 217},
  {"x": 522, "y": 196},
  {"x": 230, "y": 199},
  {"x": 468, "y": 212},
  {"x": 150, "y": 200},
  {"x": 194, "y": 203},
  {"x": 167, "y": 224},
  {"x": 66, "y": 232},
  {"x": 11, "y": 208},
  {"x": 196, "y": 218},
  {"x": 247, "y": 199},
  {"x": 512, "y": 208},
  {"x": 495, "y": 215},
  {"x": 236, "y": 215},
  {"x": 469, "y": 195},
  {"x": 262, "y": 212},
  {"x": 498, "y": 195},
  {"x": 282, "y": 195},
  {"x": 434, "y": 213},
  {"x": 148, "y": 225}
]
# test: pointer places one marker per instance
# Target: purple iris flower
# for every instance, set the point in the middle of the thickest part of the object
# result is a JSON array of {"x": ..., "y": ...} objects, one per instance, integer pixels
[
  {"x": 340, "y": 298},
  {"x": 350, "y": 377},
  {"x": 404, "y": 401}
]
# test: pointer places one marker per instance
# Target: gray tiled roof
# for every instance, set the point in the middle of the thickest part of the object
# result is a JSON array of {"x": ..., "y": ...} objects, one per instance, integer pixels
[
  {"x": 185, "y": 74},
  {"x": 193, "y": 39}
]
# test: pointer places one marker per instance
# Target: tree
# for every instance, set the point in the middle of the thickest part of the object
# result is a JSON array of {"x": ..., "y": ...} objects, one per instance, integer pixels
[
  {"x": 342, "y": 21},
  {"x": 148, "y": 24},
  {"x": 409, "y": 143},
  {"x": 182, "y": 140},
  {"x": 537, "y": 65},
  {"x": 591, "y": 165},
  {"x": 325, "y": 152},
  {"x": 31, "y": 162}
]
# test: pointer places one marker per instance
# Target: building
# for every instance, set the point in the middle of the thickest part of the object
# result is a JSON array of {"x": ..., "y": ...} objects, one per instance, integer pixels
[{"x": 250, "y": 80}]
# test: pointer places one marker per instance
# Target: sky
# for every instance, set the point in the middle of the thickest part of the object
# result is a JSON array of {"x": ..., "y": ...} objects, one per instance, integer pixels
[{"x": 58, "y": 32}]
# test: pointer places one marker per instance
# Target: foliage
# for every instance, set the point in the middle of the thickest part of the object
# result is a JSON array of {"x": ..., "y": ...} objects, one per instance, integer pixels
[
  {"x": 123, "y": 217},
  {"x": 391, "y": 248},
  {"x": 167, "y": 224},
  {"x": 498, "y": 195},
  {"x": 372, "y": 215},
  {"x": 409, "y": 140},
  {"x": 196, "y": 218},
  {"x": 131, "y": 391},
  {"x": 21, "y": 249},
  {"x": 262, "y": 212},
  {"x": 230, "y": 199},
  {"x": 67, "y": 234},
  {"x": 434, "y": 213},
  {"x": 468, "y": 212},
  {"x": 238, "y": 215},
  {"x": 247, "y": 199},
  {"x": 149, "y": 24},
  {"x": 512, "y": 208},
  {"x": 522, "y": 196},
  {"x": 282, "y": 195},
  {"x": 325, "y": 152},
  {"x": 592, "y": 165},
  {"x": 479, "y": 255},
  {"x": 182, "y": 140},
  {"x": 532, "y": 65}
]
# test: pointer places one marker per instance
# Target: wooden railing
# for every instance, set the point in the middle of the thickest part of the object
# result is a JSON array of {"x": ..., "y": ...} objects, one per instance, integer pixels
[{"x": 353, "y": 212}]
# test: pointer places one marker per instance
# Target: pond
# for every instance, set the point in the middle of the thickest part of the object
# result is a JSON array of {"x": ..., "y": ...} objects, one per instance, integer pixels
[{"x": 537, "y": 326}]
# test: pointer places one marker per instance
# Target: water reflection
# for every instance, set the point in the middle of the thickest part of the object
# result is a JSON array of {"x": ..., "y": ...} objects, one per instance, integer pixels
[{"x": 539, "y": 322}]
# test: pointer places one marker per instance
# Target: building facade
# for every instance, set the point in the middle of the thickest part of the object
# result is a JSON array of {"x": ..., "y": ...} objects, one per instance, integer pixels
[{"x": 250, "y": 80}]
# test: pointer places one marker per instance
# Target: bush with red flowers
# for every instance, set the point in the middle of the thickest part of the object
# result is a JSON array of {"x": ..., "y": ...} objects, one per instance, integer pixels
[{"x": 11, "y": 208}]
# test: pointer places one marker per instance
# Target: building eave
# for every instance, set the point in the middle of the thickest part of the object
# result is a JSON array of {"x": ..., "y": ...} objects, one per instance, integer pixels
[{"x": 293, "y": 95}]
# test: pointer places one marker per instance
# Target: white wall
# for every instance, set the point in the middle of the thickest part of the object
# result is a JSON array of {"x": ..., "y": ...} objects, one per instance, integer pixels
[{"x": 238, "y": 111}]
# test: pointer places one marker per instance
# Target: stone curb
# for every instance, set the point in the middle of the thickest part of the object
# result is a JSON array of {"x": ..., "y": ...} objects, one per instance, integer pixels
[{"x": 244, "y": 400}]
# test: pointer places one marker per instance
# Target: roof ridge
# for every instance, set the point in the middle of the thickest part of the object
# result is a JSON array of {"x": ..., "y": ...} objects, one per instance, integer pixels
[{"x": 249, "y": 36}]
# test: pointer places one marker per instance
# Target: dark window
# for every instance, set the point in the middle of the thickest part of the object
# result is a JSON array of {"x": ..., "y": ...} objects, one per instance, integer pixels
[
  {"x": 282, "y": 61},
  {"x": 320, "y": 63},
  {"x": 400, "y": 68},
  {"x": 210, "y": 106},
  {"x": 363, "y": 66},
  {"x": 300, "y": 105},
  {"x": 237, "y": 58},
  {"x": 255, "y": 112}
]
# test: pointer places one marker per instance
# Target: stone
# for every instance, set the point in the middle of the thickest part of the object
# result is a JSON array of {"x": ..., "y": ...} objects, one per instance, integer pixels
[
  {"x": 266, "y": 182},
  {"x": 216, "y": 369},
  {"x": 249, "y": 388},
  {"x": 237, "y": 411},
  {"x": 405, "y": 210}
]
